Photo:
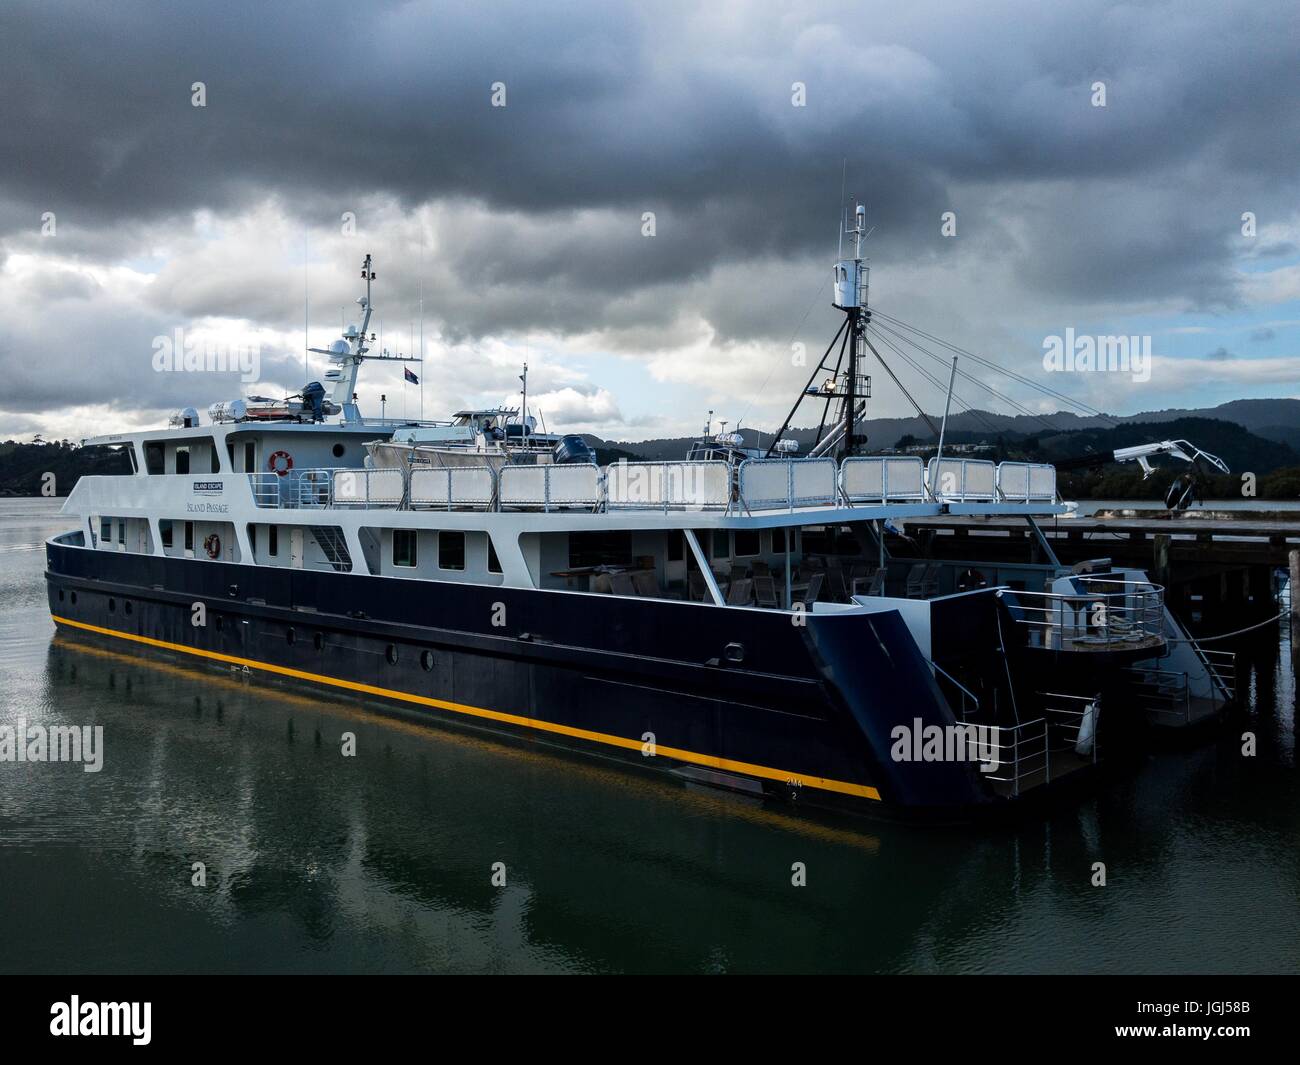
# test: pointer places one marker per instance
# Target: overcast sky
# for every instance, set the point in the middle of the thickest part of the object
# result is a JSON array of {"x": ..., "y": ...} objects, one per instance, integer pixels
[{"x": 741, "y": 126}]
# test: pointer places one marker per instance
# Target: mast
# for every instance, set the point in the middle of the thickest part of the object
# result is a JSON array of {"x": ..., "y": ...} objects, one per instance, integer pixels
[
  {"x": 350, "y": 351},
  {"x": 851, "y": 298},
  {"x": 848, "y": 385}
]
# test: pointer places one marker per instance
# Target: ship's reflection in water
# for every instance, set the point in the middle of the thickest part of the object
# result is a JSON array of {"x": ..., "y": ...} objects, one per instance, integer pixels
[{"x": 385, "y": 861}]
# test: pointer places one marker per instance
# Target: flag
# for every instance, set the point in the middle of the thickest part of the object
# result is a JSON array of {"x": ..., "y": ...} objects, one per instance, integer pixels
[{"x": 410, "y": 376}]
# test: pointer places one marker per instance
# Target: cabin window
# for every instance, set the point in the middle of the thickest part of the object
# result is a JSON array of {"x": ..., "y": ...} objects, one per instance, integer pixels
[
  {"x": 747, "y": 543},
  {"x": 778, "y": 541},
  {"x": 273, "y": 540},
  {"x": 404, "y": 547},
  {"x": 183, "y": 459},
  {"x": 721, "y": 544},
  {"x": 214, "y": 457},
  {"x": 121, "y": 532},
  {"x": 612, "y": 548},
  {"x": 165, "y": 531},
  {"x": 494, "y": 563},
  {"x": 189, "y": 536},
  {"x": 451, "y": 550},
  {"x": 252, "y": 538},
  {"x": 106, "y": 530},
  {"x": 250, "y": 456},
  {"x": 153, "y": 458},
  {"x": 676, "y": 547}
]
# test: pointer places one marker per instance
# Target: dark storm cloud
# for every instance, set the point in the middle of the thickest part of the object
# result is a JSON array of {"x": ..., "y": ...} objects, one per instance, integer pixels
[
  {"x": 611, "y": 107},
  {"x": 680, "y": 109}
]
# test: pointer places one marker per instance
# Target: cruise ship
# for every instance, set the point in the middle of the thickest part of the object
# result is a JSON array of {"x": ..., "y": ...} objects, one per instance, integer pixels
[{"x": 735, "y": 619}]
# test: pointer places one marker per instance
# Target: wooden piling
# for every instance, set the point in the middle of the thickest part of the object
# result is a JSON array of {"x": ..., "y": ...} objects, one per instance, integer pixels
[
  {"x": 1293, "y": 558},
  {"x": 1160, "y": 563}
]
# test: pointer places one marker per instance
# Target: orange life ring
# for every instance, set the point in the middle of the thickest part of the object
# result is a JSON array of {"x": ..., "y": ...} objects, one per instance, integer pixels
[
  {"x": 273, "y": 463},
  {"x": 212, "y": 545}
]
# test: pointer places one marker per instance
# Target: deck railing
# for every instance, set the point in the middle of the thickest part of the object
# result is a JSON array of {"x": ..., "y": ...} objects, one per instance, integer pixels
[
  {"x": 1105, "y": 613},
  {"x": 754, "y": 485}
]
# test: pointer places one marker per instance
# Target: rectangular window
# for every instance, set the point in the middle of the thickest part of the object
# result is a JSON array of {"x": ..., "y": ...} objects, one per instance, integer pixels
[
  {"x": 189, "y": 537},
  {"x": 121, "y": 532},
  {"x": 778, "y": 541},
  {"x": 165, "y": 531},
  {"x": 250, "y": 456},
  {"x": 721, "y": 544},
  {"x": 105, "y": 530},
  {"x": 153, "y": 458},
  {"x": 451, "y": 550},
  {"x": 746, "y": 543},
  {"x": 183, "y": 459},
  {"x": 494, "y": 563},
  {"x": 252, "y": 539},
  {"x": 404, "y": 547},
  {"x": 600, "y": 549},
  {"x": 676, "y": 547},
  {"x": 216, "y": 461},
  {"x": 273, "y": 540}
]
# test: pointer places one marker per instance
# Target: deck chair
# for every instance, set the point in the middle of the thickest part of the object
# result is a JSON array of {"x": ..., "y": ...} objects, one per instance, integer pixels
[
  {"x": 623, "y": 584},
  {"x": 814, "y": 589},
  {"x": 867, "y": 581},
  {"x": 765, "y": 593},
  {"x": 741, "y": 592},
  {"x": 836, "y": 588},
  {"x": 923, "y": 580},
  {"x": 646, "y": 583}
]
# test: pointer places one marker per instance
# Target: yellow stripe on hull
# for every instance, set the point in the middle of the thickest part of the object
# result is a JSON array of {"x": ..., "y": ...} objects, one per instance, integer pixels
[{"x": 841, "y": 787}]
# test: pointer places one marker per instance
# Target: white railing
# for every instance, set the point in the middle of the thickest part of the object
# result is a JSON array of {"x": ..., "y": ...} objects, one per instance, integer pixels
[
  {"x": 767, "y": 484},
  {"x": 368, "y": 488},
  {"x": 1026, "y": 482},
  {"x": 962, "y": 480},
  {"x": 870, "y": 480},
  {"x": 449, "y": 487},
  {"x": 754, "y": 485},
  {"x": 676, "y": 485},
  {"x": 1106, "y": 613},
  {"x": 548, "y": 487}
]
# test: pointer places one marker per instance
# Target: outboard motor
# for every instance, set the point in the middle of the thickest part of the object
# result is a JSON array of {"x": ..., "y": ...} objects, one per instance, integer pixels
[
  {"x": 572, "y": 449},
  {"x": 313, "y": 400},
  {"x": 1182, "y": 493}
]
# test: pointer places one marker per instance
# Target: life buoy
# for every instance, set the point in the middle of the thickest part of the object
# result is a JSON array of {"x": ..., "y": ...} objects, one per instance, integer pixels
[
  {"x": 273, "y": 463},
  {"x": 212, "y": 545}
]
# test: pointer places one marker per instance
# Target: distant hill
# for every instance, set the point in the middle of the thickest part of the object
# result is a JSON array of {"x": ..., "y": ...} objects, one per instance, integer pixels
[
  {"x": 23, "y": 466},
  {"x": 1271, "y": 419}
]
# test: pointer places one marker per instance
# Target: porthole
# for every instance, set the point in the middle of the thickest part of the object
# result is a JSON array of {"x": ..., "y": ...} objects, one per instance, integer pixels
[
  {"x": 126, "y": 607},
  {"x": 426, "y": 661},
  {"x": 290, "y": 636},
  {"x": 60, "y": 595},
  {"x": 317, "y": 641},
  {"x": 338, "y": 451},
  {"x": 74, "y": 598},
  {"x": 112, "y": 604},
  {"x": 391, "y": 654},
  {"x": 218, "y": 622}
]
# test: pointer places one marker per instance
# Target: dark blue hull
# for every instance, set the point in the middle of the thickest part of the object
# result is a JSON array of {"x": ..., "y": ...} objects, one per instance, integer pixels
[{"x": 740, "y": 698}]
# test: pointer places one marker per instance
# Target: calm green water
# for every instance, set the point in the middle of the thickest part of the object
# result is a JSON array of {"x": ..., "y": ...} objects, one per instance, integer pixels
[{"x": 383, "y": 862}]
